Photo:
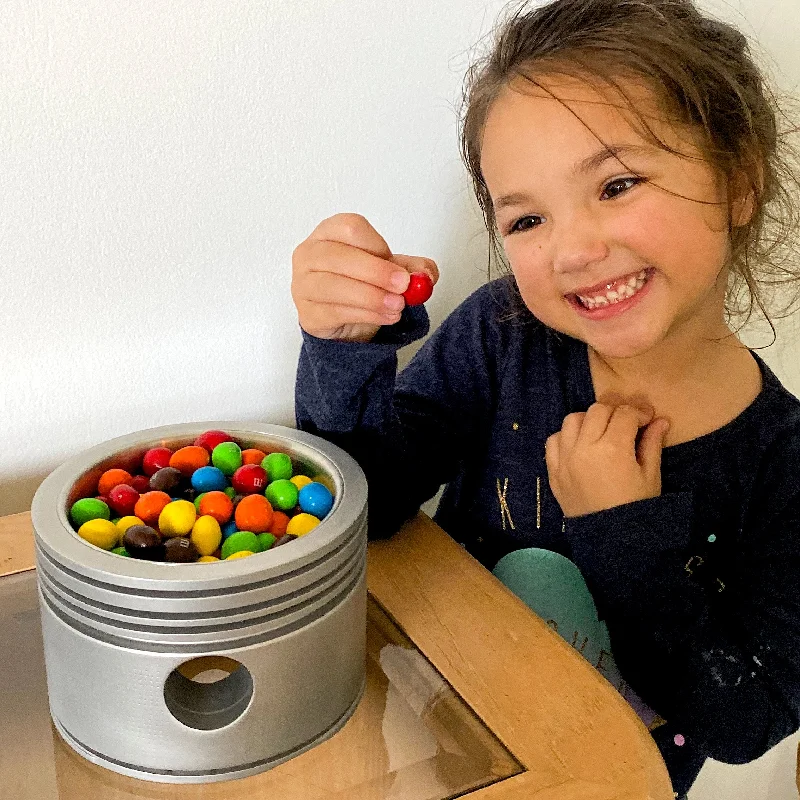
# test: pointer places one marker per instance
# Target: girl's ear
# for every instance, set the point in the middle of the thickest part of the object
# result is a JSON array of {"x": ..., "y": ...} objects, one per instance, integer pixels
[{"x": 743, "y": 197}]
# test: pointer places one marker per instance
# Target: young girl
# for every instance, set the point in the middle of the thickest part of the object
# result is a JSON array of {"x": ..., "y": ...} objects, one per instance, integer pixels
[{"x": 599, "y": 427}]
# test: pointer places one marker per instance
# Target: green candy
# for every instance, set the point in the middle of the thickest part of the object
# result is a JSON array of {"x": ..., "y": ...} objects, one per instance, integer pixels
[
  {"x": 121, "y": 551},
  {"x": 227, "y": 457},
  {"x": 241, "y": 540},
  {"x": 278, "y": 466},
  {"x": 88, "y": 508},
  {"x": 230, "y": 491},
  {"x": 266, "y": 540},
  {"x": 282, "y": 494},
  {"x": 198, "y": 499}
]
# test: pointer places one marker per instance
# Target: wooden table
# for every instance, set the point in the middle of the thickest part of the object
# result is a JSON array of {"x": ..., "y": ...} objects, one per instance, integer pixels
[{"x": 572, "y": 733}]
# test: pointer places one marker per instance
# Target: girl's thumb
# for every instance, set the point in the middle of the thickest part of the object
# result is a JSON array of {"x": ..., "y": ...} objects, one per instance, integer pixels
[{"x": 651, "y": 444}]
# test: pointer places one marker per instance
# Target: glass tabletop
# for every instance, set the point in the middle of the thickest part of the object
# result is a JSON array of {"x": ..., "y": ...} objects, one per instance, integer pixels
[{"x": 411, "y": 737}]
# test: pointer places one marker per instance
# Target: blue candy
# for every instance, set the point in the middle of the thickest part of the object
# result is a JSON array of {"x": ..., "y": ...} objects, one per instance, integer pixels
[
  {"x": 228, "y": 528},
  {"x": 315, "y": 499},
  {"x": 209, "y": 479}
]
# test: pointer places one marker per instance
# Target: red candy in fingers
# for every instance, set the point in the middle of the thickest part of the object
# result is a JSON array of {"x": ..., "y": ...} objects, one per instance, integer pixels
[{"x": 420, "y": 288}]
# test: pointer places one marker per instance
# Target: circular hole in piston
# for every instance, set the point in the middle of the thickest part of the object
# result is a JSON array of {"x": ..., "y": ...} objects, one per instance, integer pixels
[{"x": 209, "y": 692}]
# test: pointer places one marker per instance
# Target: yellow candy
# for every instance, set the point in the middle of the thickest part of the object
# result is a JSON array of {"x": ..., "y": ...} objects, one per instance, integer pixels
[
  {"x": 301, "y": 524},
  {"x": 300, "y": 481},
  {"x": 206, "y": 559},
  {"x": 206, "y": 535},
  {"x": 239, "y": 554},
  {"x": 100, "y": 532},
  {"x": 126, "y": 522},
  {"x": 177, "y": 518}
]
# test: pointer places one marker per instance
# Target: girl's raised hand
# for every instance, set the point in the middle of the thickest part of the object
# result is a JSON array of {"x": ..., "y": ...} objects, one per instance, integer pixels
[
  {"x": 346, "y": 283},
  {"x": 594, "y": 462}
]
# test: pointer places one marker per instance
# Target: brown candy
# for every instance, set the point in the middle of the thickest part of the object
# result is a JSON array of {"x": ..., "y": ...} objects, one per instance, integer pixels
[
  {"x": 180, "y": 550},
  {"x": 166, "y": 479},
  {"x": 142, "y": 541}
]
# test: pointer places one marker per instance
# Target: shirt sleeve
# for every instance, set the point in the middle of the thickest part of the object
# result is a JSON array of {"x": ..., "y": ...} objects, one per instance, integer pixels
[
  {"x": 409, "y": 433},
  {"x": 726, "y": 675}
]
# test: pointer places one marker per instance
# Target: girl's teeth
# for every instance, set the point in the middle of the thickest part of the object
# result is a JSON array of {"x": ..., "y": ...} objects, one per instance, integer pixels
[{"x": 624, "y": 291}]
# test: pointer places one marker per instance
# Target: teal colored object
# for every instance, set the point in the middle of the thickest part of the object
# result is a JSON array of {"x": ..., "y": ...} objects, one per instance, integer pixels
[
  {"x": 88, "y": 508},
  {"x": 282, "y": 494},
  {"x": 278, "y": 466},
  {"x": 227, "y": 457},
  {"x": 553, "y": 587},
  {"x": 242, "y": 540}
]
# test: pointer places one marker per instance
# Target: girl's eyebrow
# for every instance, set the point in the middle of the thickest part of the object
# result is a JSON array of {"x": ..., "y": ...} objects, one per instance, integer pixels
[{"x": 584, "y": 167}]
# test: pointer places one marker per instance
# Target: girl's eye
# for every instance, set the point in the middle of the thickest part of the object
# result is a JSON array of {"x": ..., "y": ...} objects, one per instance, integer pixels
[
  {"x": 521, "y": 224},
  {"x": 621, "y": 182},
  {"x": 623, "y": 185}
]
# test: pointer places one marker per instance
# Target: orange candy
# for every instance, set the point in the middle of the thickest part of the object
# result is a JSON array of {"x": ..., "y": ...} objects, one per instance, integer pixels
[
  {"x": 217, "y": 505},
  {"x": 254, "y": 513},
  {"x": 253, "y": 456},
  {"x": 279, "y": 523},
  {"x": 150, "y": 505},
  {"x": 111, "y": 478},
  {"x": 190, "y": 458}
]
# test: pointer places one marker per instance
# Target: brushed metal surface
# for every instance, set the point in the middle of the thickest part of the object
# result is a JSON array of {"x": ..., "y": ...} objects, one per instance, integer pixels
[{"x": 115, "y": 630}]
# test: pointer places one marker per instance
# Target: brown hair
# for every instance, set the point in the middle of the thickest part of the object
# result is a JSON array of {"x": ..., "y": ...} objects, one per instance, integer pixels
[{"x": 702, "y": 75}]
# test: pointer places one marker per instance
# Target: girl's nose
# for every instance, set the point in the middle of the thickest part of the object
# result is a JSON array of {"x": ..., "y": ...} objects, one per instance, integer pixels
[{"x": 578, "y": 245}]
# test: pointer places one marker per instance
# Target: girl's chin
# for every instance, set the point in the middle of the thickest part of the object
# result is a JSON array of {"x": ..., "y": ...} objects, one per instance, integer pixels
[{"x": 619, "y": 343}]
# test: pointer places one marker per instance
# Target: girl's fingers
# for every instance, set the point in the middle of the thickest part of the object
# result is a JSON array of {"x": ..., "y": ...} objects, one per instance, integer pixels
[
  {"x": 332, "y": 289},
  {"x": 625, "y": 421},
  {"x": 571, "y": 429},
  {"x": 351, "y": 262},
  {"x": 353, "y": 230},
  {"x": 417, "y": 264},
  {"x": 329, "y": 316},
  {"x": 621, "y": 420},
  {"x": 595, "y": 422},
  {"x": 551, "y": 455}
]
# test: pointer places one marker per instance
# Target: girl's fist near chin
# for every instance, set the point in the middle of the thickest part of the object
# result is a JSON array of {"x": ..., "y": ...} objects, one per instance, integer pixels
[{"x": 594, "y": 462}]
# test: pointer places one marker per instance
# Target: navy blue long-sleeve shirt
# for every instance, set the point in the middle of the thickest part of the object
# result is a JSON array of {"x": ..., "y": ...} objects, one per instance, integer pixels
[{"x": 699, "y": 587}]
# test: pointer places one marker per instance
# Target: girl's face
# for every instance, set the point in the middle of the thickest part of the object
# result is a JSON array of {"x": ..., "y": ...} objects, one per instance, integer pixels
[{"x": 572, "y": 218}]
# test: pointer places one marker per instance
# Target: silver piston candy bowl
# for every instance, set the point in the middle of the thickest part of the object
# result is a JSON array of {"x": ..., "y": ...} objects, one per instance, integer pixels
[{"x": 129, "y": 644}]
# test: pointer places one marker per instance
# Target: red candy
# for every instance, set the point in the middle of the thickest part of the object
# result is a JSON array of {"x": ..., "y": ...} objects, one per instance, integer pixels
[
  {"x": 210, "y": 439},
  {"x": 155, "y": 459},
  {"x": 420, "y": 288},
  {"x": 141, "y": 483},
  {"x": 249, "y": 479},
  {"x": 123, "y": 499}
]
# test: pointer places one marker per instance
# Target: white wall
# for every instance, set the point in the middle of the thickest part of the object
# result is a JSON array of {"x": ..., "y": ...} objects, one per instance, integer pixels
[
  {"x": 158, "y": 164},
  {"x": 160, "y": 161}
]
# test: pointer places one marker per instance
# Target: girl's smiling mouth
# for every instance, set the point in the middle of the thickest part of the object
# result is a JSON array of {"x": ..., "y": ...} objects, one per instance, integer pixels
[{"x": 598, "y": 303}]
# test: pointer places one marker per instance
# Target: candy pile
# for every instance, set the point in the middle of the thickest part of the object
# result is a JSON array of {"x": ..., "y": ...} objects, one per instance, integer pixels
[{"x": 207, "y": 501}]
